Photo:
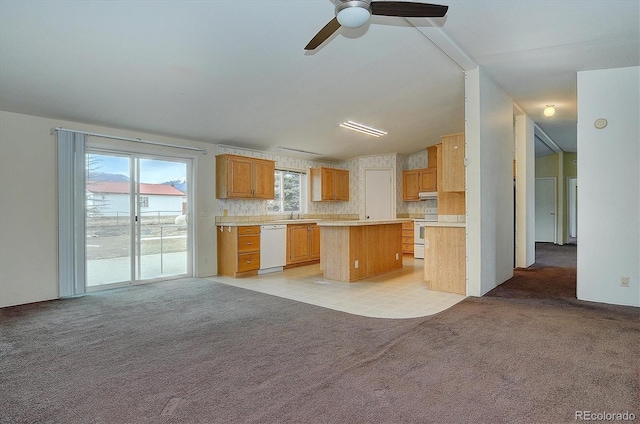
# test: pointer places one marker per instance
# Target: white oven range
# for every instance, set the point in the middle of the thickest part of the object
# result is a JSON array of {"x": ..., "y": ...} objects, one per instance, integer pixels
[{"x": 418, "y": 232}]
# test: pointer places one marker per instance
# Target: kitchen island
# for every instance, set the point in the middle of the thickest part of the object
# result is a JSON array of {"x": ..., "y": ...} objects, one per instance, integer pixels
[{"x": 353, "y": 250}]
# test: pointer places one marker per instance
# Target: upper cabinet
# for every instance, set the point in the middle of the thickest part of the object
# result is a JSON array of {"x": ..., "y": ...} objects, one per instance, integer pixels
[
  {"x": 453, "y": 172},
  {"x": 242, "y": 177},
  {"x": 417, "y": 180},
  {"x": 424, "y": 179},
  {"x": 329, "y": 184},
  {"x": 452, "y": 202}
]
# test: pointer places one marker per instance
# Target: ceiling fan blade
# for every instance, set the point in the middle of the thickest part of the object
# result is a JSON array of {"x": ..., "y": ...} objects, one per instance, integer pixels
[
  {"x": 408, "y": 9},
  {"x": 323, "y": 34}
]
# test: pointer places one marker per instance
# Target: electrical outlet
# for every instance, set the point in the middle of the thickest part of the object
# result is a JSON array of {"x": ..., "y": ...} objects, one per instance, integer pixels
[
  {"x": 205, "y": 260},
  {"x": 624, "y": 281},
  {"x": 356, "y": 264}
]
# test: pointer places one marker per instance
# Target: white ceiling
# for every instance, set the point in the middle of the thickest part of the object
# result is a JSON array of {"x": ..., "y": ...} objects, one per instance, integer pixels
[{"x": 235, "y": 72}]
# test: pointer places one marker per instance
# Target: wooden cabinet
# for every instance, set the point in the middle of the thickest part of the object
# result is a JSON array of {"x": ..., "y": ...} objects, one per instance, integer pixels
[
  {"x": 238, "y": 250},
  {"x": 329, "y": 184},
  {"x": 449, "y": 202},
  {"x": 423, "y": 179},
  {"x": 242, "y": 177},
  {"x": 453, "y": 169},
  {"x": 445, "y": 259},
  {"x": 417, "y": 180},
  {"x": 407, "y": 237},
  {"x": 303, "y": 243},
  {"x": 432, "y": 157}
]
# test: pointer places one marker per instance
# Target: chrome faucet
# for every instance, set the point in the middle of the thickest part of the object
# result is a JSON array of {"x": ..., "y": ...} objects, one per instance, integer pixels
[{"x": 291, "y": 216}]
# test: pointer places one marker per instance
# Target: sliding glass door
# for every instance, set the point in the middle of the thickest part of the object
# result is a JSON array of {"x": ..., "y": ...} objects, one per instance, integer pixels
[{"x": 137, "y": 218}]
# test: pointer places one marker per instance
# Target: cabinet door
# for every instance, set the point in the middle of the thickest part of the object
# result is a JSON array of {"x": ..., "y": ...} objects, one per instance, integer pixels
[
  {"x": 263, "y": 179},
  {"x": 315, "y": 242},
  {"x": 328, "y": 184},
  {"x": 432, "y": 157},
  {"x": 239, "y": 177},
  {"x": 444, "y": 259},
  {"x": 298, "y": 243},
  {"x": 341, "y": 184},
  {"x": 410, "y": 185},
  {"x": 453, "y": 175},
  {"x": 428, "y": 179}
]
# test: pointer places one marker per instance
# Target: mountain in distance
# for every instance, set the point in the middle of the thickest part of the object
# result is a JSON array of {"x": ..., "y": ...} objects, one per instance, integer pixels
[
  {"x": 180, "y": 184},
  {"x": 106, "y": 177}
]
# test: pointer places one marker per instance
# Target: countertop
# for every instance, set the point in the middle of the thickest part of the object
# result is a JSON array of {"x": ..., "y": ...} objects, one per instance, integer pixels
[
  {"x": 320, "y": 222},
  {"x": 277, "y": 222},
  {"x": 339, "y": 223},
  {"x": 445, "y": 224},
  {"x": 355, "y": 223}
]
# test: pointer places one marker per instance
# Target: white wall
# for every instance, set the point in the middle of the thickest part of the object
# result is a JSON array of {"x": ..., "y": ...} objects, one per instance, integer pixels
[
  {"x": 525, "y": 192},
  {"x": 490, "y": 153},
  {"x": 608, "y": 193},
  {"x": 28, "y": 205}
]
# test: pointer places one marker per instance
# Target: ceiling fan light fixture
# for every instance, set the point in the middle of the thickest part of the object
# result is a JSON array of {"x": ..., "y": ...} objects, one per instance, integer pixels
[
  {"x": 353, "y": 14},
  {"x": 550, "y": 110}
]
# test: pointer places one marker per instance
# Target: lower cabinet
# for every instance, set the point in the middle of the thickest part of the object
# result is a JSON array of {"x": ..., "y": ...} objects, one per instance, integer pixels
[
  {"x": 407, "y": 237},
  {"x": 238, "y": 250},
  {"x": 445, "y": 259},
  {"x": 303, "y": 243}
]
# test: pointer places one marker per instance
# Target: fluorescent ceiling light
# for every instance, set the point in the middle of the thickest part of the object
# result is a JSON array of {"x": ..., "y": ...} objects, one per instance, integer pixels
[{"x": 365, "y": 129}]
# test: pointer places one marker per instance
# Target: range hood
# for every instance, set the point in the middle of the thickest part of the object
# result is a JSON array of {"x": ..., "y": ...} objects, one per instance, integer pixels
[{"x": 424, "y": 195}]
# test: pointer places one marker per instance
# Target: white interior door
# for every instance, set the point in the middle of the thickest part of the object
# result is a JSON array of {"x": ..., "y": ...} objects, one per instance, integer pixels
[
  {"x": 573, "y": 207},
  {"x": 546, "y": 210},
  {"x": 378, "y": 194}
]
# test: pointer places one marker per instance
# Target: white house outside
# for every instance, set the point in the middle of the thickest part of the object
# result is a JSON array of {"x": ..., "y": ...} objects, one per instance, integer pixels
[{"x": 112, "y": 199}]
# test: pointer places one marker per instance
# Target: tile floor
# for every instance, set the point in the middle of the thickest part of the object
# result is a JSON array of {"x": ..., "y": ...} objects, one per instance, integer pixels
[{"x": 397, "y": 294}]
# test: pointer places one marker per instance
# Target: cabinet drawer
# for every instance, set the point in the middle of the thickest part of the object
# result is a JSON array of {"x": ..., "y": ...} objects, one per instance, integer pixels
[
  {"x": 253, "y": 229},
  {"x": 248, "y": 243},
  {"x": 407, "y": 232},
  {"x": 407, "y": 240},
  {"x": 407, "y": 226},
  {"x": 248, "y": 261}
]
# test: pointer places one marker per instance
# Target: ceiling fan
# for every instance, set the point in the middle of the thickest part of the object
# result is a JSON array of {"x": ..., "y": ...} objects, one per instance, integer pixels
[{"x": 354, "y": 14}]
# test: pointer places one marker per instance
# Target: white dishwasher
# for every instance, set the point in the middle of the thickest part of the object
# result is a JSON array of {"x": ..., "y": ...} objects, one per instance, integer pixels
[{"x": 273, "y": 248}]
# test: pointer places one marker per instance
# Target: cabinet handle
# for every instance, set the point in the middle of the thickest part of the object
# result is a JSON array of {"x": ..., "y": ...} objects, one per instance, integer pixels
[
  {"x": 249, "y": 262},
  {"x": 249, "y": 243}
]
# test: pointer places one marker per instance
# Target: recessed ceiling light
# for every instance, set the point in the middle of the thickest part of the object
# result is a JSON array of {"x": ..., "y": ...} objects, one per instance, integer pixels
[
  {"x": 550, "y": 110},
  {"x": 365, "y": 129}
]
